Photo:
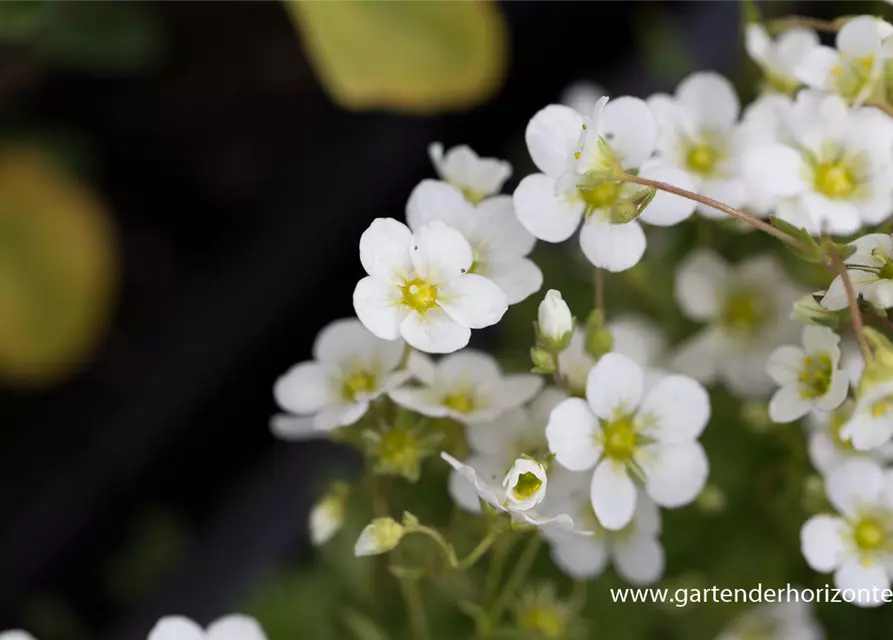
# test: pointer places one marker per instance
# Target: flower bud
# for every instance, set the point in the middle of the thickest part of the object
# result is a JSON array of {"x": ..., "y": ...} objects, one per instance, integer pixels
[
  {"x": 327, "y": 515},
  {"x": 525, "y": 483},
  {"x": 631, "y": 207},
  {"x": 379, "y": 536},
  {"x": 542, "y": 360},
  {"x": 808, "y": 311},
  {"x": 599, "y": 340},
  {"x": 555, "y": 323}
]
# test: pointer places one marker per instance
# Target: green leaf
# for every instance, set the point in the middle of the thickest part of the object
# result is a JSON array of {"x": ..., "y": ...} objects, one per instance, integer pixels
[
  {"x": 750, "y": 12},
  {"x": 21, "y": 20},
  {"x": 361, "y": 626},
  {"x": 423, "y": 57},
  {"x": 811, "y": 251}
]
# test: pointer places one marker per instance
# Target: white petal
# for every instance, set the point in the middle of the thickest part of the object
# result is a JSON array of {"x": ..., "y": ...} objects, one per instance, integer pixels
[
  {"x": 821, "y": 339},
  {"x": 378, "y": 306},
  {"x": 305, "y": 388},
  {"x": 838, "y": 217},
  {"x": 571, "y": 433},
  {"x": 464, "y": 492},
  {"x": 785, "y": 363},
  {"x": 788, "y": 404},
  {"x": 710, "y": 98},
  {"x": 434, "y": 332},
  {"x": 646, "y": 518},
  {"x": 675, "y": 473},
  {"x": 550, "y": 136},
  {"x": 823, "y": 452},
  {"x": 854, "y": 484},
  {"x": 518, "y": 279},
  {"x": 517, "y": 390},
  {"x": 815, "y": 68},
  {"x": 384, "y": 250},
  {"x": 701, "y": 281},
  {"x": 613, "y": 495},
  {"x": 700, "y": 355},
  {"x": 235, "y": 628},
  {"x": 638, "y": 338},
  {"x": 822, "y": 542},
  {"x": 339, "y": 416},
  {"x": 615, "y": 247},
  {"x": 470, "y": 368},
  {"x": 434, "y": 200},
  {"x": 793, "y": 45},
  {"x": 497, "y": 227},
  {"x": 614, "y": 384},
  {"x": 639, "y": 559},
  {"x": 580, "y": 557},
  {"x": 16, "y": 634},
  {"x": 859, "y": 37},
  {"x": 347, "y": 342},
  {"x": 628, "y": 125},
  {"x": 835, "y": 298},
  {"x": 294, "y": 428},
  {"x": 677, "y": 409},
  {"x": 757, "y": 42},
  {"x": 548, "y": 215},
  {"x": 421, "y": 367},
  {"x": 421, "y": 400},
  {"x": 667, "y": 209},
  {"x": 481, "y": 484},
  {"x": 472, "y": 301},
  {"x": 494, "y": 438},
  {"x": 880, "y": 294},
  {"x": 176, "y": 628},
  {"x": 837, "y": 392},
  {"x": 440, "y": 253},
  {"x": 776, "y": 169},
  {"x": 866, "y": 583}
]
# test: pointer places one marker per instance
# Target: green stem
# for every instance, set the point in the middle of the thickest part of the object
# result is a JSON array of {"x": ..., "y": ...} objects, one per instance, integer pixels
[
  {"x": 449, "y": 553},
  {"x": 497, "y": 564},
  {"x": 477, "y": 553},
  {"x": 415, "y": 608},
  {"x": 516, "y": 578},
  {"x": 599, "y": 289}
]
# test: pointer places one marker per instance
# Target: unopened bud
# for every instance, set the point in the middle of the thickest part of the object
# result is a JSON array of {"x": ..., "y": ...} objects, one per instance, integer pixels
[
  {"x": 555, "y": 322},
  {"x": 542, "y": 359},
  {"x": 631, "y": 207},
  {"x": 599, "y": 340},
  {"x": 380, "y": 536},
  {"x": 525, "y": 483},
  {"x": 808, "y": 311},
  {"x": 327, "y": 515}
]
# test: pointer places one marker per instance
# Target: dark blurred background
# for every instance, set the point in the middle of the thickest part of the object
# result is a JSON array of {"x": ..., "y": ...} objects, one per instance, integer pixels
[{"x": 144, "y": 480}]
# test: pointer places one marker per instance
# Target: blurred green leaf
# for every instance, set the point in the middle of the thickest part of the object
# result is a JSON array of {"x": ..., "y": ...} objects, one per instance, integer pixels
[
  {"x": 407, "y": 56},
  {"x": 21, "y": 20}
]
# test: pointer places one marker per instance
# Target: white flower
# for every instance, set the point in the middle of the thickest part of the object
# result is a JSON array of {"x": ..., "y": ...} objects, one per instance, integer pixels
[
  {"x": 870, "y": 269},
  {"x": 780, "y": 58},
  {"x": 16, "y": 634},
  {"x": 327, "y": 515},
  {"x": 831, "y": 168},
  {"x": 567, "y": 147},
  {"x": 489, "y": 489},
  {"x": 765, "y": 123},
  {"x": 857, "y": 544},
  {"x": 379, "y": 536},
  {"x": 826, "y": 447},
  {"x": 350, "y": 369},
  {"x": 810, "y": 377},
  {"x": 477, "y": 178},
  {"x": 622, "y": 430},
  {"x": 871, "y": 425},
  {"x": 419, "y": 286},
  {"x": 582, "y": 96},
  {"x": 854, "y": 68},
  {"x": 635, "y": 551},
  {"x": 235, "y": 627},
  {"x": 746, "y": 307},
  {"x": 699, "y": 136},
  {"x": 467, "y": 386},
  {"x": 495, "y": 445},
  {"x": 498, "y": 242},
  {"x": 525, "y": 484},
  {"x": 782, "y": 621},
  {"x": 554, "y": 318}
]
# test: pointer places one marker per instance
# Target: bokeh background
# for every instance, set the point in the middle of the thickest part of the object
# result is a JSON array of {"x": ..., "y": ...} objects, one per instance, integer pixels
[{"x": 182, "y": 190}]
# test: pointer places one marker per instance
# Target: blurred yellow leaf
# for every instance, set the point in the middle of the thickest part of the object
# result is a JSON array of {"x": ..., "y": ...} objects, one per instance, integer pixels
[
  {"x": 57, "y": 269},
  {"x": 419, "y": 57}
]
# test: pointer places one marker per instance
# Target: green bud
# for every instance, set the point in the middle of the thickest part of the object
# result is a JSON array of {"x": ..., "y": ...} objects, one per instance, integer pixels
[
  {"x": 631, "y": 207},
  {"x": 808, "y": 311},
  {"x": 543, "y": 360},
  {"x": 599, "y": 340},
  {"x": 380, "y": 536}
]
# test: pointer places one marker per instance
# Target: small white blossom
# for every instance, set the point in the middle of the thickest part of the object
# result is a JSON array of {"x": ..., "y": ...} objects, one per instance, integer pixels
[
  {"x": 623, "y": 431},
  {"x": 582, "y": 96},
  {"x": 499, "y": 243},
  {"x": 870, "y": 269},
  {"x": 746, "y": 308},
  {"x": 792, "y": 620},
  {"x": 871, "y": 425},
  {"x": 525, "y": 484},
  {"x": 857, "y": 544},
  {"x": 634, "y": 551},
  {"x": 350, "y": 369},
  {"x": 467, "y": 386},
  {"x": 810, "y": 377},
  {"x": 826, "y": 447},
  {"x": 554, "y": 317},
  {"x": 327, "y": 515},
  {"x": 477, "y": 178},
  {"x": 699, "y": 135},
  {"x": 568, "y": 148},
  {"x": 379, "y": 536},
  {"x": 419, "y": 286},
  {"x": 780, "y": 58},
  {"x": 234, "y": 627},
  {"x": 855, "y": 67}
]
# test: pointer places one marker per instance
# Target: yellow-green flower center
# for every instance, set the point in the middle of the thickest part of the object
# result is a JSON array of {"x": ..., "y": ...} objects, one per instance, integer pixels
[
  {"x": 547, "y": 621},
  {"x": 834, "y": 180},
  {"x": 419, "y": 295},
  {"x": 619, "y": 438},
  {"x": 526, "y": 486},
  {"x": 357, "y": 382},
  {"x": 836, "y": 420},
  {"x": 461, "y": 401},
  {"x": 472, "y": 195},
  {"x": 853, "y": 76},
  {"x": 746, "y": 310},
  {"x": 702, "y": 159},
  {"x": 601, "y": 196},
  {"x": 399, "y": 449},
  {"x": 868, "y": 534},
  {"x": 815, "y": 375},
  {"x": 881, "y": 408}
]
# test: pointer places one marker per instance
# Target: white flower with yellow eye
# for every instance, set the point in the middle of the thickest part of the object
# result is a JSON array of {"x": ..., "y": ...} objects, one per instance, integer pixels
[
  {"x": 857, "y": 544},
  {"x": 780, "y": 58},
  {"x": 467, "y": 386},
  {"x": 810, "y": 377},
  {"x": 419, "y": 286},
  {"x": 791, "y": 620},
  {"x": 350, "y": 369},
  {"x": 235, "y": 627},
  {"x": 476, "y": 177},
  {"x": 870, "y": 269},
  {"x": 826, "y": 447},
  {"x": 871, "y": 425},
  {"x": 745, "y": 307},
  {"x": 498, "y": 242}
]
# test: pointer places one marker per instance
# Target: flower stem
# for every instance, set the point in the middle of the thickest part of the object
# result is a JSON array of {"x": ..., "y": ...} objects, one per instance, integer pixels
[
  {"x": 598, "y": 279},
  {"x": 853, "y": 300},
  {"x": 497, "y": 564},
  {"x": 516, "y": 578},
  {"x": 415, "y": 608},
  {"x": 762, "y": 225},
  {"x": 449, "y": 553},
  {"x": 477, "y": 553}
]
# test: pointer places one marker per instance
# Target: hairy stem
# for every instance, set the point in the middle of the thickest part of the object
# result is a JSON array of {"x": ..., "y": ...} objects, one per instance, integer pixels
[{"x": 852, "y": 298}]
